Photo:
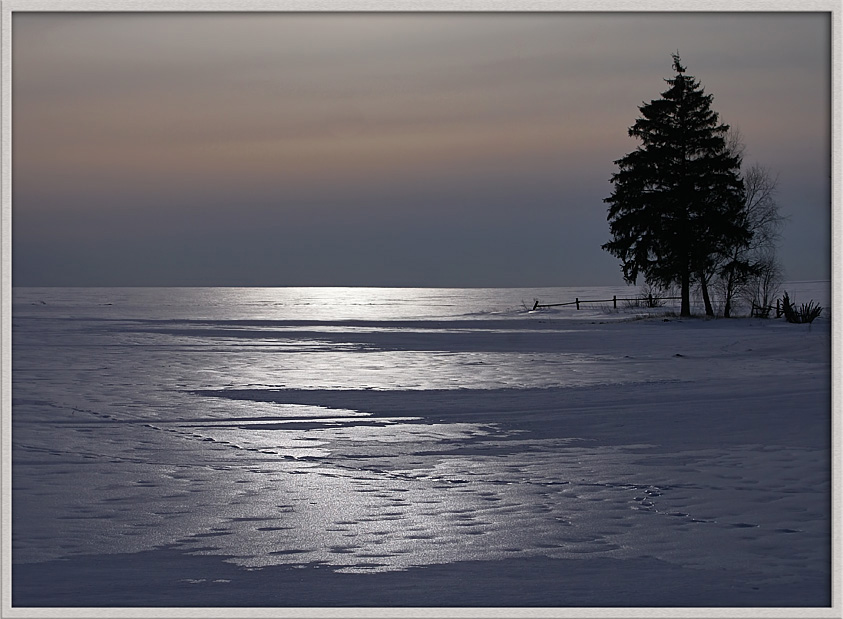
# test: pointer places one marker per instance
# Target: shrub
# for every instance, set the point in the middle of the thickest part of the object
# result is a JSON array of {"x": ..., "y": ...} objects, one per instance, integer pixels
[{"x": 806, "y": 313}]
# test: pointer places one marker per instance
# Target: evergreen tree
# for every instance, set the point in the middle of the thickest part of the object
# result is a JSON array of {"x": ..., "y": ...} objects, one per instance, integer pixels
[{"x": 677, "y": 200}]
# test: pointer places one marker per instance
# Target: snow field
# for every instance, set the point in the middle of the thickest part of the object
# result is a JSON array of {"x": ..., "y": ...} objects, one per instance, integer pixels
[{"x": 541, "y": 458}]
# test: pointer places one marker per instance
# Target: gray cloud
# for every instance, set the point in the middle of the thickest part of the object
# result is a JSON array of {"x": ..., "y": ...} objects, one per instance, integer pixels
[{"x": 468, "y": 148}]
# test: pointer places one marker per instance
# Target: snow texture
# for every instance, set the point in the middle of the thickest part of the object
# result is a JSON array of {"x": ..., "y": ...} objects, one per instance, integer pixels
[{"x": 415, "y": 448}]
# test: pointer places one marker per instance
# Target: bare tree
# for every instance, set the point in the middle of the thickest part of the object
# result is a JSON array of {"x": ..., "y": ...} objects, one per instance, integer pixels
[
  {"x": 752, "y": 269},
  {"x": 763, "y": 287}
]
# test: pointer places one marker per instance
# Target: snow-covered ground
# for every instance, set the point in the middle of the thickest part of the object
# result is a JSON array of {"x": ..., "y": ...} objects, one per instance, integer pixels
[{"x": 415, "y": 449}]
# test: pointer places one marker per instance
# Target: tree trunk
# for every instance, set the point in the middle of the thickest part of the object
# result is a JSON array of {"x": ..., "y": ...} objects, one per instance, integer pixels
[
  {"x": 706, "y": 300},
  {"x": 685, "y": 309},
  {"x": 727, "y": 304},
  {"x": 731, "y": 285}
]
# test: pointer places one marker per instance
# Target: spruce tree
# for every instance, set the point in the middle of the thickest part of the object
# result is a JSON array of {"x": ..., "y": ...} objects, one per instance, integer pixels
[{"x": 677, "y": 199}]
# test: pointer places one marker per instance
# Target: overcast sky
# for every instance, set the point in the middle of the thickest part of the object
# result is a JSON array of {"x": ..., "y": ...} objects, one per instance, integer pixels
[{"x": 380, "y": 149}]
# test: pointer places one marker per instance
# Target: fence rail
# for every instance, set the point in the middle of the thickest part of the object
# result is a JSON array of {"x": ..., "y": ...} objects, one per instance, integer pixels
[
  {"x": 757, "y": 310},
  {"x": 614, "y": 300},
  {"x": 763, "y": 311}
]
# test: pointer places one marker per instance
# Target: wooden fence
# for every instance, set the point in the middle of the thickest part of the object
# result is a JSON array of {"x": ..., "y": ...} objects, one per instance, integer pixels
[
  {"x": 763, "y": 312},
  {"x": 650, "y": 300}
]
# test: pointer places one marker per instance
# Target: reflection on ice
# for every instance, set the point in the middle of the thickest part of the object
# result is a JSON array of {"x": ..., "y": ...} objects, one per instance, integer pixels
[{"x": 369, "y": 445}]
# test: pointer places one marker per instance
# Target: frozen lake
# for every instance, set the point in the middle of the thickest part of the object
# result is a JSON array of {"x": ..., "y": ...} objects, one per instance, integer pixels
[{"x": 314, "y": 447}]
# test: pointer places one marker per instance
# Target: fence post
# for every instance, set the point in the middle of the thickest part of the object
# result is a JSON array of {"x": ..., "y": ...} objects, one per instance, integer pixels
[
  {"x": 615, "y": 300},
  {"x": 578, "y": 302}
]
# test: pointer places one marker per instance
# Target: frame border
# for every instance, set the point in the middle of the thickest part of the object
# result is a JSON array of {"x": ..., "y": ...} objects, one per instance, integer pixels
[{"x": 8, "y": 7}]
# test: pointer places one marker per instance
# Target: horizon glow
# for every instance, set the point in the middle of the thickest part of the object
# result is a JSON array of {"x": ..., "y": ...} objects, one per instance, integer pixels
[{"x": 462, "y": 149}]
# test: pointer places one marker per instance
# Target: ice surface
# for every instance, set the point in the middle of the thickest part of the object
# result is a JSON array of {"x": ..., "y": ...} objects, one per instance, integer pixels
[{"x": 322, "y": 447}]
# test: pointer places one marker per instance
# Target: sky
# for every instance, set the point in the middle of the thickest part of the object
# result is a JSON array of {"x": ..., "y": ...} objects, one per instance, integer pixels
[{"x": 365, "y": 149}]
